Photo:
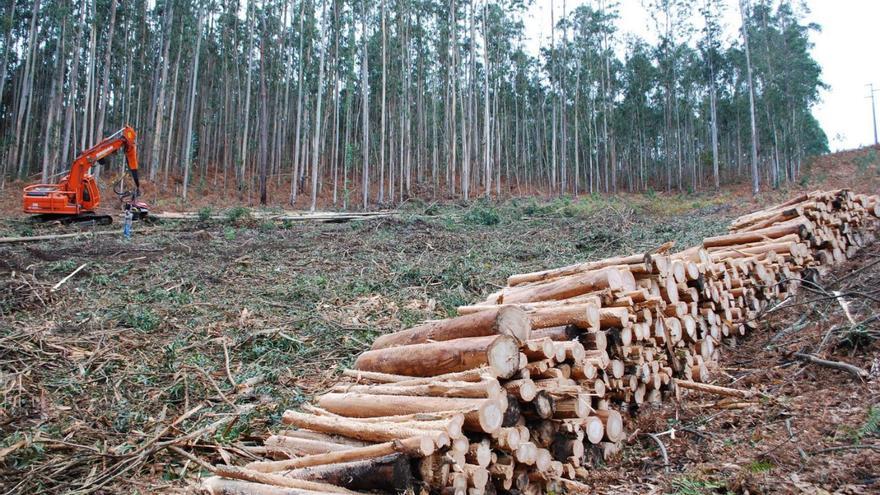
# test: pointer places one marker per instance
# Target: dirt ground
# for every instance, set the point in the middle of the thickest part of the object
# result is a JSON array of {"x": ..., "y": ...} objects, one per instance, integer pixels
[{"x": 188, "y": 342}]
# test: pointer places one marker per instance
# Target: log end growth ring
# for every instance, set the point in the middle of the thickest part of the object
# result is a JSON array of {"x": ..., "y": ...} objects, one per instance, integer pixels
[
  {"x": 503, "y": 356},
  {"x": 515, "y": 322}
]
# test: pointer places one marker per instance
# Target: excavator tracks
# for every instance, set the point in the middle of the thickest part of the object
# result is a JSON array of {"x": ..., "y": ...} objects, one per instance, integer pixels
[{"x": 83, "y": 219}]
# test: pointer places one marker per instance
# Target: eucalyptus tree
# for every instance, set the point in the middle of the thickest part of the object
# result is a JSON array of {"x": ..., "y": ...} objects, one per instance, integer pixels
[{"x": 385, "y": 100}]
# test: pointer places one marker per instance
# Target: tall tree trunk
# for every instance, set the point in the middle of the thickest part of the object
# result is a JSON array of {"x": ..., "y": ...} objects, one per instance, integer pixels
[
  {"x": 66, "y": 141},
  {"x": 365, "y": 102},
  {"x": 756, "y": 179},
  {"x": 7, "y": 39},
  {"x": 160, "y": 103},
  {"x": 264, "y": 115},
  {"x": 87, "y": 137},
  {"x": 383, "y": 125},
  {"x": 192, "y": 108},
  {"x": 317, "y": 136},
  {"x": 105, "y": 77},
  {"x": 245, "y": 137},
  {"x": 294, "y": 178},
  {"x": 172, "y": 114},
  {"x": 713, "y": 108},
  {"x": 453, "y": 82},
  {"x": 487, "y": 137},
  {"x": 49, "y": 131},
  {"x": 18, "y": 150}
]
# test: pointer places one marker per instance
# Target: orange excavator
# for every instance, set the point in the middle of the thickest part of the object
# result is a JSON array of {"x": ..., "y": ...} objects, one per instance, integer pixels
[{"x": 76, "y": 197}]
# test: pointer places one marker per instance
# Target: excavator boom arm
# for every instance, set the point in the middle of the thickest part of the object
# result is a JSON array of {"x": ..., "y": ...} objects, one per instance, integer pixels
[{"x": 122, "y": 139}]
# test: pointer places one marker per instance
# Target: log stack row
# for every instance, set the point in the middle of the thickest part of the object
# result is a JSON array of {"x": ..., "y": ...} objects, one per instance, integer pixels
[{"x": 526, "y": 390}]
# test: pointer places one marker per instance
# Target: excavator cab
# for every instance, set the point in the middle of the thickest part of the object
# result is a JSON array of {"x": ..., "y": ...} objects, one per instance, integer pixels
[{"x": 58, "y": 199}]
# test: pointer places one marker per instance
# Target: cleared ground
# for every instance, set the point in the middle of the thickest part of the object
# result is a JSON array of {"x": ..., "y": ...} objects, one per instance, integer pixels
[{"x": 193, "y": 338}]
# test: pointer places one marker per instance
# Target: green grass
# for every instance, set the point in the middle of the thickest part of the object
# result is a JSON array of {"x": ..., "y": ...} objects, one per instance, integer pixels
[
  {"x": 142, "y": 319},
  {"x": 761, "y": 466},
  {"x": 686, "y": 485},
  {"x": 63, "y": 266},
  {"x": 871, "y": 427}
]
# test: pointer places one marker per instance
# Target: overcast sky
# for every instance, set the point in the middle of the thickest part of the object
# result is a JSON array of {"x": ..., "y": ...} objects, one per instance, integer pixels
[{"x": 846, "y": 49}]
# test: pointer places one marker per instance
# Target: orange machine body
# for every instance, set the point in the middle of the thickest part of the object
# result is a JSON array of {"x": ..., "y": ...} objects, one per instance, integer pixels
[{"x": 78, "y": 192}]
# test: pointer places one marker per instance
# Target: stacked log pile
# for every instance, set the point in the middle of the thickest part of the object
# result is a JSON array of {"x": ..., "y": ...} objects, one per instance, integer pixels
[{"x": 524, "y": 391}]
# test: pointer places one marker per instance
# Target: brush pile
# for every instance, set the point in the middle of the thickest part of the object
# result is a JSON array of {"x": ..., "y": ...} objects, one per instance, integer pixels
[{"x": 523, "y": 392}]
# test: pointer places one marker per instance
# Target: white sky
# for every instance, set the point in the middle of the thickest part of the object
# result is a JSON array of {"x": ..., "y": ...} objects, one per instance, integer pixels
[{"x": 846, "y": 49}]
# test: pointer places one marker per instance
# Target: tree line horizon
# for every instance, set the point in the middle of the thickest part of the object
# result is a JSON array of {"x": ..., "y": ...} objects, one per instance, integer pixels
[{"x": 372, "y": 102}]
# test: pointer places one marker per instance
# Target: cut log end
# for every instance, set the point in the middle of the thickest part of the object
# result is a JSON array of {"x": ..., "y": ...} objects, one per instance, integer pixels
[
  {"x": 491, "y": 416},
  {"x": 595, "y": 430},
  {"x": 513, "y": 321},
  {"x": 503, "y": 356}
]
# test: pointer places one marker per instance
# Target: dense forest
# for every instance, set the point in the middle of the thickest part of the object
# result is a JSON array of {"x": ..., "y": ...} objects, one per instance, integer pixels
[{"x": 358, "y": 103}]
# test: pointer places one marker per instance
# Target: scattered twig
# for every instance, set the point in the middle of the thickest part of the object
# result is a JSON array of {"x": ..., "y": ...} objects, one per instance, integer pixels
[
  {"x": 226, "y": 358},
  {"x": 845, "y": 305},
  {"x": 715, "y": 389},
  {"x": 193, "y": 458},
  {"x": 65, "y": 279},
  {"x": 38, "y": 238},
  {"x": 849, "y": 368},
  {"x": 846, "y": 447},
  {"x": 662, "y": 449},
  {"x": 12, "y": 448}
]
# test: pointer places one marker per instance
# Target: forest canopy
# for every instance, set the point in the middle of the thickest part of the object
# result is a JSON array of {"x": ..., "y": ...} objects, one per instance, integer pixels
[{"x": 358, "y": 103}]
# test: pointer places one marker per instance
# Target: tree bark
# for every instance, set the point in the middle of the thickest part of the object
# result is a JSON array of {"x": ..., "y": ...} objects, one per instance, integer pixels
[
  {"x": 483, "y": 415},
  {"x": 192, "y": 110},
  {"x": 503, "y": 321},
  {"x": 501, "y": 353},
  {"x": 105, "y": 78},
  {"x": 365, "y": 106},
  {"x": 756, "y": 178},
  {"x": 392, "y": 472}
]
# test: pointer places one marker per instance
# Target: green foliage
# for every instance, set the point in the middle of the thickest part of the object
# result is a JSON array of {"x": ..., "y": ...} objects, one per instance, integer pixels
[
  {"x": 692, "y": 486},
  {"x": 159, "y": 295},
  {"x": 25, "y": 231},
  {"x": 409, "y": 318},
  {"x": 804, "y": 179},
  {"x": 241, "y": 426},
  {"x": 125, "y": 417},
  {"x": 142, "y": 319},
  {"x": 205, "y": 214},
  {"x": 24, "y": 456},
  {"x": 600, "y": 239},
  {"x": 229, "y": 233},
  {"x": 871, "y": 427},
  {"x": 63, "y": 266},
  {"x": 760, "y": 466},
  {"x": 482, "y": 214},
  {"x": 238, "y": 215},
  {"x": 432, "y": 209}
]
